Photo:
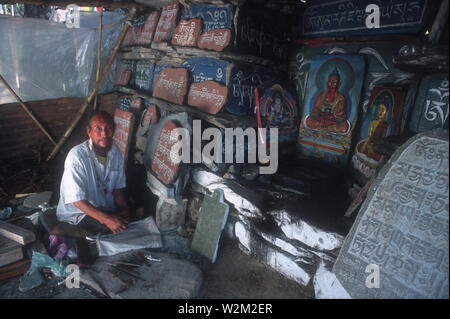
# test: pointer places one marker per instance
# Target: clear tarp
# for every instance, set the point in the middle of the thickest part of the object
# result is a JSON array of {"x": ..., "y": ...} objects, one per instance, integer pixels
[{"x": 41, "y": 59}]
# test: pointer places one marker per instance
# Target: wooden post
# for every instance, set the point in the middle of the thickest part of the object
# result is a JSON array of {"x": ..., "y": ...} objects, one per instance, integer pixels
[
  {"x": 99, "y": 50},
  {"x": 27, "y": 110},
  {"x": 96, "y": 87}
]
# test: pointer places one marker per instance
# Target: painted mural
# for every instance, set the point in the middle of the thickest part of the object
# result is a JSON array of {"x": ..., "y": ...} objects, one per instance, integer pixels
[
  {"x": 331, "y": 107},
  {"x": 278, "y": 109},
  {"x": 382, "y": 119}
]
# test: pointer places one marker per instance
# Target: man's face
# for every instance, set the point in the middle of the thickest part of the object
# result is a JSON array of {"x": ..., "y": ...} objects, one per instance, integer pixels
[
  {"x": 101, "y": 132},
  {"x": 333, "y": 82}
]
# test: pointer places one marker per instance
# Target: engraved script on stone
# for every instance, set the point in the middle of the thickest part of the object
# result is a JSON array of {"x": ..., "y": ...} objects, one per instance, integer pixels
[
  {"x": 403, "y": 226},
  {"x": 186, "y": 33},
  {"x": 208, "y": 96},
  {"x": 217, "y": 39},
  {"x": 166, "y": 22},
  {"x": 171, "y": 85},
  {"x": 163, "y": 163}
]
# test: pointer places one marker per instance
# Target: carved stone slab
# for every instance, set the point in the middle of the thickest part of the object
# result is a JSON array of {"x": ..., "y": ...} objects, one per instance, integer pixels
[
  {"x": 123, "y": 122},
  {"x": 213, "y": 17},
  {"x": 217, "y": 39},
  {"x": 343, "y": 18},
  {"x": 171, "y": 84},
  {"x": 431, "y": 108},
  {"x": 213, "y": 216},
  {"x": 144, "y": 75},
  {"x": 145, "y": 37},
  {"x": 186, "y": 33},
  {"x": 208, "y": 96},
  {"x": 402, "y": 227},
  {"x": 208, "y": 69},
  {"x": 163, "y": 163},
  {"x": 167, "y": 22},
  {"x": 241, "y": 85}
]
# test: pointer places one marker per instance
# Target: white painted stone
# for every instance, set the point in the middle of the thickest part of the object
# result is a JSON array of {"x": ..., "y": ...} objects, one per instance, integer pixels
[
  {"x": 307, "y": 234},
  {"x": 212, "y": 182},
  {"x": 278, "y": 260},
  {"x": 327, "y": 286}
]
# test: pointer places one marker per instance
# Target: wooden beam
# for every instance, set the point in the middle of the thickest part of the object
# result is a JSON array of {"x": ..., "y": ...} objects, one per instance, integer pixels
[
  {"x": 221, "y": 120},
  {"x": 81, "y": 3},
  {"x": 96, "y": 87},
  {"x": 27, "y": 110},
  {"x": 99, "y": 51},
  {"x": 18, "y": 234}
]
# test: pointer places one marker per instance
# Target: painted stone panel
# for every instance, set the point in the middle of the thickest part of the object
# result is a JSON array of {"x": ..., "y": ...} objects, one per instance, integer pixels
[
  {"x": 278, "y": 109},
  {"x": 217, "y": 39},
  {"x": 145, "y": 36},
  {"x": 186, "y": 33},
  {"x": 331, "y": 108},
  {"x": 382, "y": 119},
  {"x": 348, "y": 17},
  {"x": 171, "y": 84},
  {"x": 163, "y": 163},
  {"x": 123, "y": 122},
  {"x": 262, "y": 32},
  {"x": 208, "y": 69},
  {"x": 431, "y": 108},
  {"x": 208, "y": 96},
  {"x": 167, "y": 22},
  {"x": 213, "y": 17},
  {"x": 241, "y": 85},
  {"x": 402, "y": 227},
  {"x": 144, "y": 75}
]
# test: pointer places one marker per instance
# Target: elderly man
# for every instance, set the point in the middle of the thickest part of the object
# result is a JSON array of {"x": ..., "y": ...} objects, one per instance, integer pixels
[{"x": 91, "y": 194}]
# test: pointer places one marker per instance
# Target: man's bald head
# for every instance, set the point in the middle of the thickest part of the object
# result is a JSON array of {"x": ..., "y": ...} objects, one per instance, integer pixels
[{"x": 100, "y": 130}]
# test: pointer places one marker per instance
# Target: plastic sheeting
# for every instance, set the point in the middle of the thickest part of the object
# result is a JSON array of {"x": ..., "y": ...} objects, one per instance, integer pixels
[
  {"x": 42, "y": 60},
  {"x": 139, "y": 234}
]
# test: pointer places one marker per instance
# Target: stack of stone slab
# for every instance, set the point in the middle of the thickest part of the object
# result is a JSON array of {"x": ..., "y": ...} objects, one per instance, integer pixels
[{"x": 284, "y": 238}]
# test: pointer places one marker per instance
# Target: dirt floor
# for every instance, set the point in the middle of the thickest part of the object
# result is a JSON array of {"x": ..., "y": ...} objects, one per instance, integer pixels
[{"x": 236, "y": 275}]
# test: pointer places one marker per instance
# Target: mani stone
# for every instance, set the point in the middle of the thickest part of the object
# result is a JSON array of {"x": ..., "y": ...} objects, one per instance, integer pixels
[
  {"x": 213, "y": 16},
  {"x": 146, "y": 35},
  {"x": 163, "y": 163},
  {"x": 166, "y": 22},
  {"x": 124, "y": 122},
  {"x": 186, "y": 33},
  {"x": 211, "y": 222},
  {"x": 401, "y": 231},
  {"x": 208, "y": 96},
  {"x": 171, "y": 85},
  {"x": 431, "y": 107},
  {"x": 208, "y": 69},
  {"x": 216, "y": 40}
]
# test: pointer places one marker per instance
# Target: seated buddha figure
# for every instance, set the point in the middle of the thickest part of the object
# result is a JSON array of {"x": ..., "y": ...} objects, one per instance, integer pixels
[
  {"x": 330, "y": 108},
  {"x": 377, "y": 129}
]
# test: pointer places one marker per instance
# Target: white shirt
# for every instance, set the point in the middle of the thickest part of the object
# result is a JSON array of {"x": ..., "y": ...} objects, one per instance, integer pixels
[{"x": 85, "y": 178}]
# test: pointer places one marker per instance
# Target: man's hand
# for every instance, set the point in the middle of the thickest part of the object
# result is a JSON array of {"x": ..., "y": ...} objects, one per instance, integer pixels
[{"x": 115, "y": 223}]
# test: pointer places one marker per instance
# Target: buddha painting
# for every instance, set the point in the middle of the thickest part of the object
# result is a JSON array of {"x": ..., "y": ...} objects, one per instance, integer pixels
[
  {"x": 377, "y": 129},
  {"x": 330, "y": 108},
  {"x": 278, "y": 110}
]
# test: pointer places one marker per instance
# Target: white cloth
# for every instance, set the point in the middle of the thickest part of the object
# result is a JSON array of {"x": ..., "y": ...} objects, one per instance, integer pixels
[
  {"x": 85, "y": 178},
  {"x": 138, "y": 235}
]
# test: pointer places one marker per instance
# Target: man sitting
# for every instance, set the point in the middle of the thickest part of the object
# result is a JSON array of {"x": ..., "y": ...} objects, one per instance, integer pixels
[{"x": 91, "y": 192}]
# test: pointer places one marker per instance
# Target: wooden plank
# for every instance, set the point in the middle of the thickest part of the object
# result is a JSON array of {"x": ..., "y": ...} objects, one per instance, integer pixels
[
  {"x": 18, "y": 234},
  {"x": 10, "y": 251},
  {"x": 15, "y": 269},
  {"x": 221, "y": 120}
]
